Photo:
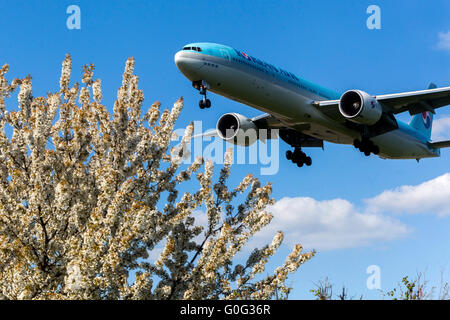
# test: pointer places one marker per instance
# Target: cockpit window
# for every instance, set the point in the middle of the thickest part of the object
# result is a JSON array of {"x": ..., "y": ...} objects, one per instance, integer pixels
[{"x": 193, "y": 48}]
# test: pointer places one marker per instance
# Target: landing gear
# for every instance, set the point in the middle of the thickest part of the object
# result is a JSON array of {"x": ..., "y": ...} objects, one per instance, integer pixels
[
  {"x": 298, "y": 157},
  {"x": 204, "y": 103},
  {"x": 366, "y": 146},
  {"x": 202, "y": 87},
  {"x": 297, "y": 140}
]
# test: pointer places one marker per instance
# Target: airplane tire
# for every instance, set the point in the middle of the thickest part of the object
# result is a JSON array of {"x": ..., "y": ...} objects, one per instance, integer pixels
[
  {"x": 308, "y": 161},
  {"x": 201, "y": 104},
  {"x": 367, "y": 153},
  {"x": 207, "y": 103},
  {"x": 289, "y": 155},
  {"x": 376, "y": 150},
  {"x": 303, "y": 156}
]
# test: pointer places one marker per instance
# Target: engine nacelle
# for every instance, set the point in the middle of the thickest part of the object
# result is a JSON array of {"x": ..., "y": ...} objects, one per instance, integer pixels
[
  {"x": 237, "y": 129},
  {"x": 358, "y": 106}
]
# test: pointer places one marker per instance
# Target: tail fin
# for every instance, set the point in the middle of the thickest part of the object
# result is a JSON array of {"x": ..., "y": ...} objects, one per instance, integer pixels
[{"x": 423, "y": 122}]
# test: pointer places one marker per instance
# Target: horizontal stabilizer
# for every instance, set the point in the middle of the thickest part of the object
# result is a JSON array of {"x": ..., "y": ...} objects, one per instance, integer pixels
[{"x": 440, "y": 144}]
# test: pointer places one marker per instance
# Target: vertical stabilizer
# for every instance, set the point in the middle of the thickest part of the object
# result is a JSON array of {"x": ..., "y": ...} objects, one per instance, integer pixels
[{"x": 423, "y": 122}]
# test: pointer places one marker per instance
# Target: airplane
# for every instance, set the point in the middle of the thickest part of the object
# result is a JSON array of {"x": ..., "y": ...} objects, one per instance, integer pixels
[{"x": 306, "y": 114}]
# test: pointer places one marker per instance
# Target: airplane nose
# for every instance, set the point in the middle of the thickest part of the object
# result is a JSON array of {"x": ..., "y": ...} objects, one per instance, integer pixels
[{"x": 187, "y": 63}]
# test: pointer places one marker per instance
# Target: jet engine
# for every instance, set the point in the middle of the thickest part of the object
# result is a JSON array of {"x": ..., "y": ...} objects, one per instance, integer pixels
[
  {"x": 358, "y": 106},
  {"x": 237, "y": 129}
]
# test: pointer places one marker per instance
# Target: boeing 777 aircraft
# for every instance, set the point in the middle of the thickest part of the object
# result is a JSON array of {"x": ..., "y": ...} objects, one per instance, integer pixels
[{"x": 306, "y": 114}]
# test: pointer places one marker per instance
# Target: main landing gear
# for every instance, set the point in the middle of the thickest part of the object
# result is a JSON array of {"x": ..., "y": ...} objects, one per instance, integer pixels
[
  {"x": 298, "y": 157},
  {"x": 202, "y": 87},
  {"x": 297, "y": 140},
  {"x": 366, "y": 146}
]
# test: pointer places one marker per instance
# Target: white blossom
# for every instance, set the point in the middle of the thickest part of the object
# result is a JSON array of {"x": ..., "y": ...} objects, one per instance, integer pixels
[{"x": 86, "y": 197}]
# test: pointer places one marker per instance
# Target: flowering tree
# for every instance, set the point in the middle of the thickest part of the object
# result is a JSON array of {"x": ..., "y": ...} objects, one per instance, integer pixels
[{"x": 85, "y": 197}]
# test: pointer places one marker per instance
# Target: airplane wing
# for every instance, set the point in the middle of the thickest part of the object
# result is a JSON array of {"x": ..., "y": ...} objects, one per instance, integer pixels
[
  {"x": 264, "y": 121},
  {"x": 414, "y": 102},
  {"x": 269, "y": 122},
  {"x": 210, "y": 133}
]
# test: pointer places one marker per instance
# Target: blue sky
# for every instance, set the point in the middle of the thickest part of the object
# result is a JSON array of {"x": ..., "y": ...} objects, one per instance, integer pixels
[{"x": 326, "y": 42}]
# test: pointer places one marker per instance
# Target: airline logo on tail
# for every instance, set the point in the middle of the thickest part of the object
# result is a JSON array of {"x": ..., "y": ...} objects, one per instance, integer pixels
[{"x": 426, "y": 118}]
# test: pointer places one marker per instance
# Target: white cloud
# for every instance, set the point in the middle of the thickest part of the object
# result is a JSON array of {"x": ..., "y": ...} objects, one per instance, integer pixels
[
  {"x": 444, "y": 40},
  {"x": 441, "y": 129},
  {"x": 429, "y": 197},
  {"x": 326, "y": 225},
  {"x": 339, "y": 224}
]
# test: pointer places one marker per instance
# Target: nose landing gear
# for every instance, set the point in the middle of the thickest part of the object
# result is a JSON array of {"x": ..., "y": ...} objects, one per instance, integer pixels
[
  {"x": 298, "y": 157},
  {"x": 202, "y": 87}
]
